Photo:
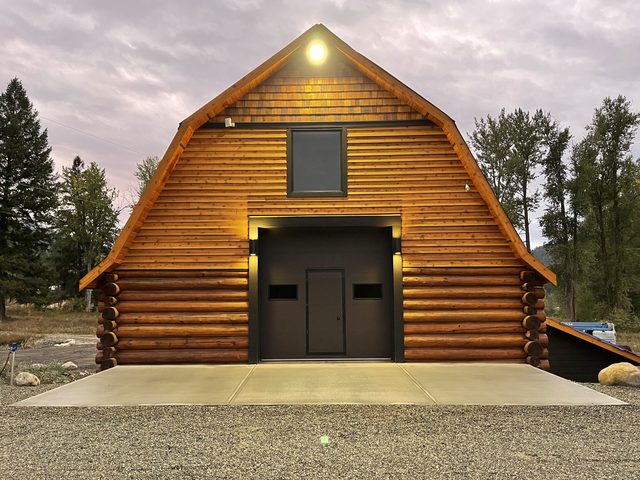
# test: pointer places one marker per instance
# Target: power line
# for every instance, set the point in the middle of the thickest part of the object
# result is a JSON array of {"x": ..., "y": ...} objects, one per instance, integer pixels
[{"x": 91, "y": 135}]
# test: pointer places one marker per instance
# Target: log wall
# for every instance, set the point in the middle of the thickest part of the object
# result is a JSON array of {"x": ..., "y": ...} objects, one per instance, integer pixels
[{"x": 173, "y": 317}]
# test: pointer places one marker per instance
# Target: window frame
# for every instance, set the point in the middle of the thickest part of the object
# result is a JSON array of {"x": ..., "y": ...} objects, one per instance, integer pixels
[{"x": 343, "y": 162}]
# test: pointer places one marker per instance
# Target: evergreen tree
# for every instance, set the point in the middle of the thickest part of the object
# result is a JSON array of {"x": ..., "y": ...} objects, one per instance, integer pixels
[
  {"x": 27, "y": 199},
  {"x": 87, "y": 223}
]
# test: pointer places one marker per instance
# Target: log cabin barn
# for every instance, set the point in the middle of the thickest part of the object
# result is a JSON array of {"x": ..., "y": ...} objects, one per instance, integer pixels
[{"x": 319, "y": 209}]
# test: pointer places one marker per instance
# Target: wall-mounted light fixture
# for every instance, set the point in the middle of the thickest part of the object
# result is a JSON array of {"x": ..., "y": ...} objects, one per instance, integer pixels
[
  {"x": 317, "y": 52},
  {"x": 253, "y": 247},
  {"x": 396, "y": 244}
]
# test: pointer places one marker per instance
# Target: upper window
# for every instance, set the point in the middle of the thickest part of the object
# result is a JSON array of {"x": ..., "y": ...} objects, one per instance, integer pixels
[{"x": 316, "y": 162}]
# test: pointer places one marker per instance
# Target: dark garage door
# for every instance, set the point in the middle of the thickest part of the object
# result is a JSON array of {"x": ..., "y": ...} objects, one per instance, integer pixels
[{"x": 325, "y": 293}]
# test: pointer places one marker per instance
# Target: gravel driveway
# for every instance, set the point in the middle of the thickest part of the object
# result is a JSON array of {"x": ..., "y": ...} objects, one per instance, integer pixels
[{"x": 365, "y": 442}]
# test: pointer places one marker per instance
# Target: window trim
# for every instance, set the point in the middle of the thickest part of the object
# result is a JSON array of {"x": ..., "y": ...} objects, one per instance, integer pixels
[{"x": 343, "y": 162}]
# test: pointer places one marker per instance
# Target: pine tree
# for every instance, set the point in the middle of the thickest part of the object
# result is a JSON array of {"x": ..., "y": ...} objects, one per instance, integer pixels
[{"x": 27, "y": 199}]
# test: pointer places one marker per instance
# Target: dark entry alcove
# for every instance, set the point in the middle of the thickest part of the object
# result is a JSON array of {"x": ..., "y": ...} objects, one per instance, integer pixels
[{"x": 343, "y": 283}]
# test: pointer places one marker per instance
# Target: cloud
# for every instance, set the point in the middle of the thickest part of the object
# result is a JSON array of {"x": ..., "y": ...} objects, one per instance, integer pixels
[{"x": 129, "y": 71}]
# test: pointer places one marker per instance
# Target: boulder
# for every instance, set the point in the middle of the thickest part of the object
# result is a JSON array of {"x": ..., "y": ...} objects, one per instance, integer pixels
[
  {"x": 622, "y": 373},
  {"x": 69, "y": 366},
  {"x": 26, "y": 379}
]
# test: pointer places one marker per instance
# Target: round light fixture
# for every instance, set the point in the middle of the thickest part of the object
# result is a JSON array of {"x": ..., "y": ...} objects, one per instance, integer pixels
[{"x": 317, "y": 52}]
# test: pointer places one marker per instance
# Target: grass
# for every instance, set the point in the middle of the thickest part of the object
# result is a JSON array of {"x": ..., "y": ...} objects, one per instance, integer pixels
[
  {"x": 631, "y": 339},
  {"x": 26, "y": 325},
  {"x": 49, "y": 373}
]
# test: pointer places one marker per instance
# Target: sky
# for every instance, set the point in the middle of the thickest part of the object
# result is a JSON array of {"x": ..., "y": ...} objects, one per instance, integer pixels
[{"x": 111, "y": 80}]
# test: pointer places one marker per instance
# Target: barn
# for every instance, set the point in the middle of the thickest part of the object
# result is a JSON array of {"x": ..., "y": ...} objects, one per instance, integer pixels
[{"x": 319, "y": 209}]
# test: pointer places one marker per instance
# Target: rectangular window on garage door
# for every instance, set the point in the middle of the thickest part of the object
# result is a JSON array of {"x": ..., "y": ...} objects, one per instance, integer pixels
[{"x": 316, "y": 162}]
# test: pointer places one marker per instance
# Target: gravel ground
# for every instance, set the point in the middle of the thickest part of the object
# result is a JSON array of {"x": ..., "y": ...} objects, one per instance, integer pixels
[{"x": 284, "y": 441}]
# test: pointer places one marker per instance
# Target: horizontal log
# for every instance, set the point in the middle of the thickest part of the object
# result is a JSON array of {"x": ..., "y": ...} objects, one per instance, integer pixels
[
  {"x": 181, "y": 356},
  {"x": 465, "y": 341},
  {"x": 186, "y": 306},
  {"x": 531, "y": 322},
  {"x": 439, "y": 281},
  {"x": 109, "y": 339},
  {"x": 533, "y": 348},
  {"x": 462, "y": 315},
  {"x": 462, "y": 271},
  {"x": 163, "y": 331},
  {"x": 529, "y": 299},
  {"x": 182, "y": 273},
  {"x": 463, "y": 354},
  {"x": 462, "y": 292},
  {"x": 111, "y": 277},
  {"x": 197, "y": 342},
  {"x": 110, "y": 313},
  {"x": 462, "y": 327},
  {"x": 181, "y": 318},
  {"x": 463, "y": 304},
  {"x": 183, "y": 295},
  {"x": 183, "y": 283},
  {"x": 533, "y": 360},
  {"x": 111, "y": 289},
  {"x": 544, "y": 365}
]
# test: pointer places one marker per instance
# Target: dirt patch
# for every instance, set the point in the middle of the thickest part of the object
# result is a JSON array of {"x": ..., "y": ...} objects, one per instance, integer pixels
[{"x": 81, "y": 351}]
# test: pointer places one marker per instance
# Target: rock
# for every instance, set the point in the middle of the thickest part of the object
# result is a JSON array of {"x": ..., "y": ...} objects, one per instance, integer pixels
[
  {"x": 69, "y": 366},
  {"x": 26, "y": 379},
  {"x": 38, "y": 365},
  {"x": 622, "y": 373},
  {"x": 66, "y": 343}
]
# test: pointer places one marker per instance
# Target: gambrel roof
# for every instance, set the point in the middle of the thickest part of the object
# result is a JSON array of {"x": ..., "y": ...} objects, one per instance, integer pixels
[{"x": 257, "y": 76}]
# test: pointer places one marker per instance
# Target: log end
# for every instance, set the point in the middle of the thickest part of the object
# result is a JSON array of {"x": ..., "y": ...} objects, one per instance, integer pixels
[
  {"x": 531, "y": 322},
  {"x": 111, "y": 289},
  {"x": 109, "y": 339},
  {"x": 110, "y": 313},
  {"x": 533, "y": 348},
  {"x": 108, "y": 363}
]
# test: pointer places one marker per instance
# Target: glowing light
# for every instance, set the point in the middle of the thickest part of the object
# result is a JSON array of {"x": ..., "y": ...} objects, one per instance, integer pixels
[{"x": 317, "y": 52}]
